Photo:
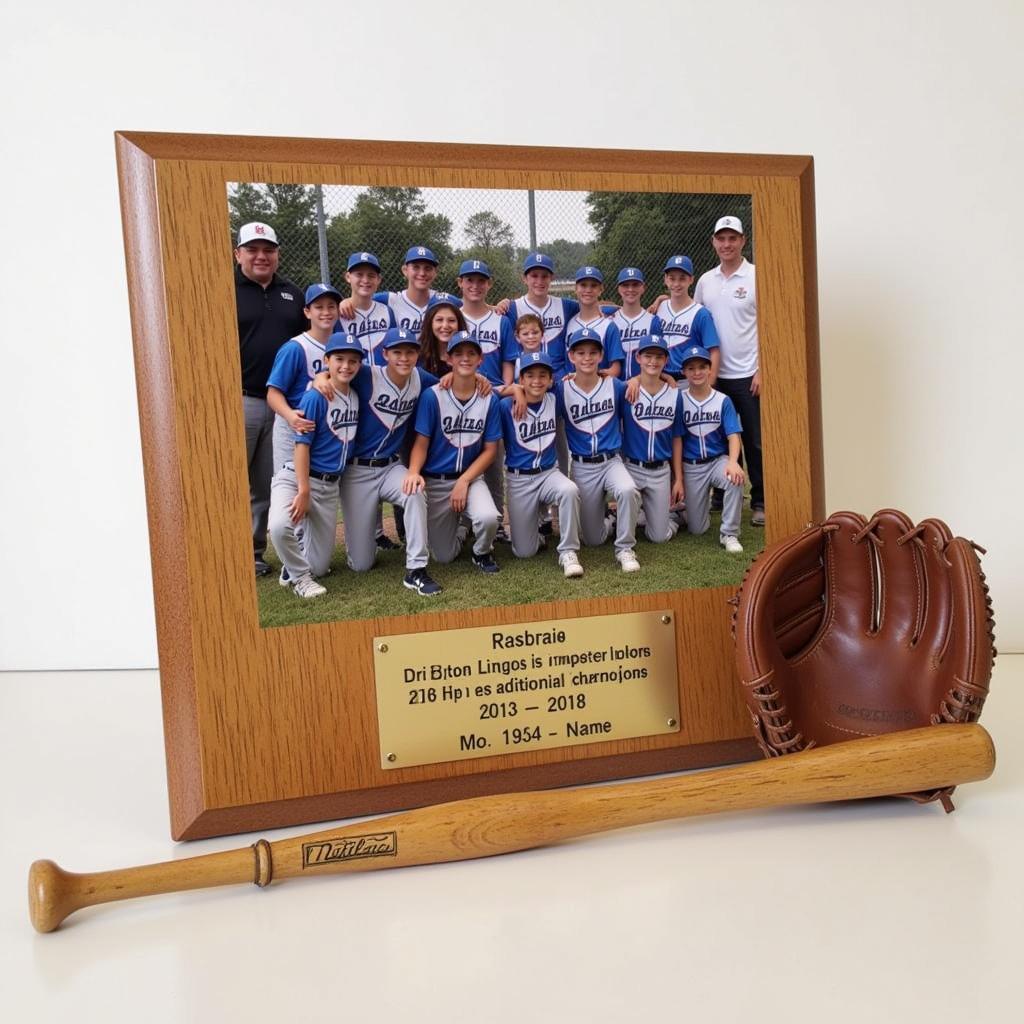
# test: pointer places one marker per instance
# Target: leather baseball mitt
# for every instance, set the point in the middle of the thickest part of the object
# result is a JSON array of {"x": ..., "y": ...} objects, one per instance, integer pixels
[{"x": 858, "y": 626}]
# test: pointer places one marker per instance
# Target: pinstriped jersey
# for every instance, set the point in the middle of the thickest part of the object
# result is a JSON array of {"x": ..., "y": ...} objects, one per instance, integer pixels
[
  {"x": 385, "y": 410},
  {"x": 554, "y": 316},
  {"x": 708, "y": 425},
  {"x": 530, "y": 442},
  {"x": 495, "y": 335},
  {"x": 690, "y": 326},
  {"x": 368, "y": 327},
  {"x": 631, "y": 330},
  {"x": 297, "y": 362},
  {"x": 330, "y": 442},
  {"x": 407, "y": 314},
  {"x": 593, "y": 420},
  {"x": 650, "y": 423},
  {"x": 607, "y": 330},
  {"x": 457, "y": 429}
]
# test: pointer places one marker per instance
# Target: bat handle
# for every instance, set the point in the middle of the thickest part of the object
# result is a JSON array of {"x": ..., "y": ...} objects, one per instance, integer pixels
[{"x": 54, "y": 893}]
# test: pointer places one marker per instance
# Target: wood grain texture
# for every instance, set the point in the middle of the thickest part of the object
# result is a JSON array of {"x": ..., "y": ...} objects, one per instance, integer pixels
[{"x": 278, "y": 726}]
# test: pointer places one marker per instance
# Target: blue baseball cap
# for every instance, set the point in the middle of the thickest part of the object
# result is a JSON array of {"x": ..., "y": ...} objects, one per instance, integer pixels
[
  {"x": 474, "y": 267},
  {"x": 679, "y": 263},
  {"x": 314, "y": 291},
  {"x": 589, "y": 274},
  {"x": 630, "y": 274},
  {"x": 395, "y": 336},
  {"x": 462, "y": 338},
  {"x": 358, "y": 259},
  {"x": 538, "y": 259},
  {"x": 341, "y": 342},
  {"x": 695, "y": 352},
  {"x": 529, "y": 359},
  {"x": 648, "y": 341},
  {"x": 585, "y": 334},
  {"x": 420, "y": 252},
  {"x": 444, "y": 299}
]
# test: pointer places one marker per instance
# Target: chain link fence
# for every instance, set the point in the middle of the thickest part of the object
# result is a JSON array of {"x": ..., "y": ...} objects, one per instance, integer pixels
[{"x": 319, "y": 225}]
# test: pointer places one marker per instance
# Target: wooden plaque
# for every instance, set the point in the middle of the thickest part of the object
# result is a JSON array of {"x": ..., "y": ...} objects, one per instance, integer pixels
[{"x": 274, "y": 727}]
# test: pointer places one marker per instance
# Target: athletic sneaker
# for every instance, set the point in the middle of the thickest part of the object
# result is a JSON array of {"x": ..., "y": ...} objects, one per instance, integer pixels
[
  {"x": 570, "y": 564},
  {"x": 420, "y": 581},
  {"x": 385, "y": 543},
  {"x": 306, "y": 586},
  {"x": 284, "y": 579},
  {"x": 627, "y": 559},
  {"x": 547, "y": 528},
  {"x": 501, "y": 537},
  {"x": 757, "y": 517},
  {"x": 486, "y": 563},
  {"x": 731, "y": 544},
  {"x": 262, "y": 569}
]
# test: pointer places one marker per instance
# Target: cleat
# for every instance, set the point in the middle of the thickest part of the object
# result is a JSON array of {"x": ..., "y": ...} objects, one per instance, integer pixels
[
  {"x": 627, "y": 559},
  {"x": 420, "y": 581},
  {"x": 284, "y": 579},
  {"x": 757, "y": 517},
  {"x": 262, "y": 569},
  {"x": 486, "y": 563},
  {"x": 305, "y": 586},
  {"x": 732, "y": 545},
  {"x": 570, "y": 564},
  {"x": 385, "y": 543}
]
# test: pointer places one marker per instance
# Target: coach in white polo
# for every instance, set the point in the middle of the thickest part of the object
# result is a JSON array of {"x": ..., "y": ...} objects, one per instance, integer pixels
[{"x": 730, "y": 293}]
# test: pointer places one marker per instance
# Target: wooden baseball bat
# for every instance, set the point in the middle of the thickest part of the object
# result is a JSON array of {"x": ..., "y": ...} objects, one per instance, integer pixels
[{"x": 899, "y": 762}]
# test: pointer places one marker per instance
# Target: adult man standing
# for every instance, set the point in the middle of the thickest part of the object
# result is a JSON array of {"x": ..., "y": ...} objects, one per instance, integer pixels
[
  {"x": 729, "y": 292},
  {"x": 269, "y": 313}
]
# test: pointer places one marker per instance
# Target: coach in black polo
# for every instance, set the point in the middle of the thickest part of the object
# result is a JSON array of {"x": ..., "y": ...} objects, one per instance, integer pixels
[{"x": 269, "y": 314}]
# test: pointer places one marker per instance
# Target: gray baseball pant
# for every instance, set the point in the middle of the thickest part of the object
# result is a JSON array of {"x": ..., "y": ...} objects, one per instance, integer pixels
[
  {"x": 697, "y": 478},
  {"x": 527, "y": 493},
  {"x": 443, "y": 523},
  {"x": 363, "y": 488},
  {"x": 283, "y": 442},
  {"x": 494, "y": 474},
  {"x": 311, "y": 549},
  {"x": 259, "y": 449},
  {"x": 655, "y": 487},
  {"x": 595, "y": 479}
]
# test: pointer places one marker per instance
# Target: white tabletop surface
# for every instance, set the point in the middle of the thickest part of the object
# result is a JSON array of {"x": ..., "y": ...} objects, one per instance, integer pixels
[{"x": 880, "y": 911}]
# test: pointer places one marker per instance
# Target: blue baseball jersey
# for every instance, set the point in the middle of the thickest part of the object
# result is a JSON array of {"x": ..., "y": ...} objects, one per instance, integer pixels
[
  {"x": 607, "y": 330},
  {"x": 555, "y": 316},
  {"x": 631, "y": 330},
  {"x": 368, "y": 327},
  {"x": 496, "y": 336},
  {"x": 708, "y": 425},
  {"x": 650, "y": 423},
  {"x": 593, "y": 421},
  {"x": 407, "y": 314},
  {"x": 457, "y": 429},
  {"x": 385, "y": 410},
  {"x": 297, "y": 362},
  {"x": 336, "y": 421},
  {"x": 690, "y": 326},
  {"x": 530, "y": 442}
]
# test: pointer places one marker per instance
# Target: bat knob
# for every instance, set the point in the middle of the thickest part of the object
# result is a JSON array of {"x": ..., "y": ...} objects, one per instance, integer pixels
[{"x": 50, "y": 895}]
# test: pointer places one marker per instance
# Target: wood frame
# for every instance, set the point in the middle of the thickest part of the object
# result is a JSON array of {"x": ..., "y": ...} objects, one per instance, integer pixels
[{"x": 259, "y": 723}]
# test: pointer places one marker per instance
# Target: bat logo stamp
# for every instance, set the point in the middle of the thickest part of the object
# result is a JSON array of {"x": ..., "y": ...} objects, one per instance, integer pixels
[{"x": 331, "y": 851}]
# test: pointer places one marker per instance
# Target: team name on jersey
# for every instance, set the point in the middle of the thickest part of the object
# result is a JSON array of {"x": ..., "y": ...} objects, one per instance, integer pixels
[
  {"x": 488, "y": 336},
  {"x": 342, "y": 419},
  {"x": 702, "y": 417},
  {"x": 398, "y": 406},
  {"x": 536, "y": 428},
  {"x": 644, "y": 411},
  {"x": 369, "y": 325},
  {"x": 591, "y": 408},
  {"x": 462, "y": 423}
]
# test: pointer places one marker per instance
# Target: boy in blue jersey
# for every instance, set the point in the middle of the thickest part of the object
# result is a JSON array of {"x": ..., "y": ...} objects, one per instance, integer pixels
[
  {"x": 589, "y": 285},
  {"x": 554, "y": 313},
  {"x": 685, "y": 323},
  {"x": 388, "y": 398},
  {"x": 534, "y": 481},
  {"x": 297, "y": 362},
  {"x": 711, "y": 451},
  {"x": 368, "y": 320},
  {"x": 632, "y": 320},
  {"x": 305, "y": 491},
  {"x": 457, "y": 433},
  {"x": 591, "y": 408}
]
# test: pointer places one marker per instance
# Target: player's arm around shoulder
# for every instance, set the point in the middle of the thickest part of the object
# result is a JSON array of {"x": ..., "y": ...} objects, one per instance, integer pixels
[{"x": 678, "y": 489}]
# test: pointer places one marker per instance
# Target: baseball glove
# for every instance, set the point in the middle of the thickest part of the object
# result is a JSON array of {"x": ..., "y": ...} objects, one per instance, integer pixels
[{"x": 856, "y": 627}]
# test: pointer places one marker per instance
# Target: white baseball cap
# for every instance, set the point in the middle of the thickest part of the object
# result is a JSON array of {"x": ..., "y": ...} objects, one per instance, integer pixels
[
  {"x": 256, "y": 231},
  {"x": 728, "y": 224}
]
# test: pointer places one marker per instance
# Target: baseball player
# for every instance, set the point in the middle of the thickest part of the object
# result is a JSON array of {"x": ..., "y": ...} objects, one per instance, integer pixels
[
  {"x": 589, "y": 285},
  {"x": 305, "y": 491},
  {"x": 684, "y": 322},
  {"x": 652, "y": 441},
  {"x": 534, "y": 481},
  {"x": 388, "y": 398},
  {"x": 632, "y": 320},
  {"x": 711, "y": 451},
  {"x": 369, "y": 319},
  {"x": 297, "y": 362},
  {"x": 591, "y": 407},
  {"x": 457, "y": 433}
]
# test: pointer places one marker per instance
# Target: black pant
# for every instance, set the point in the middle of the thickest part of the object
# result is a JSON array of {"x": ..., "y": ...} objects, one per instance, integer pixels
[{"x": 748, "y": 407}]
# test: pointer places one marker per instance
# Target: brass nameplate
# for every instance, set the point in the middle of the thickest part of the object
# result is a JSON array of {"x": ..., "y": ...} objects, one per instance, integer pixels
[{"x": 447, "y": 696}]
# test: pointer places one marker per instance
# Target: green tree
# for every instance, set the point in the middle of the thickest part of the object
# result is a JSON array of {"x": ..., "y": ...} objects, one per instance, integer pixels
[
  {"x": 568, "y": 256},
  {"x": 489, "y": 235}
]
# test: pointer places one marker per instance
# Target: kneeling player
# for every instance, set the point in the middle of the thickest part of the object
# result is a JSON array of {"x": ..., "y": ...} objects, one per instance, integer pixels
[
  {"x": 711, "y": 451},
  {"x": 305, "y": 489},
  {"x": 534, "y": 481},
  {"x": 458, "y": 432}
]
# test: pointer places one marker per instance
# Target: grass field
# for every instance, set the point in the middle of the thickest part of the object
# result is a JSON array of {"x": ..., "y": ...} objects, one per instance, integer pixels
[{"x": 684, "y": 562}]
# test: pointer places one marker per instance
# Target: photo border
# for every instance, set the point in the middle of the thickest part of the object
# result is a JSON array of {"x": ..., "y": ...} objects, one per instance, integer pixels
[{"x": 273, "y": 727}]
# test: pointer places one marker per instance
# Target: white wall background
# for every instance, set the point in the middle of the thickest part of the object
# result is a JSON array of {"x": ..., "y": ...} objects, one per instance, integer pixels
[{"x": 912, "y": 112}]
